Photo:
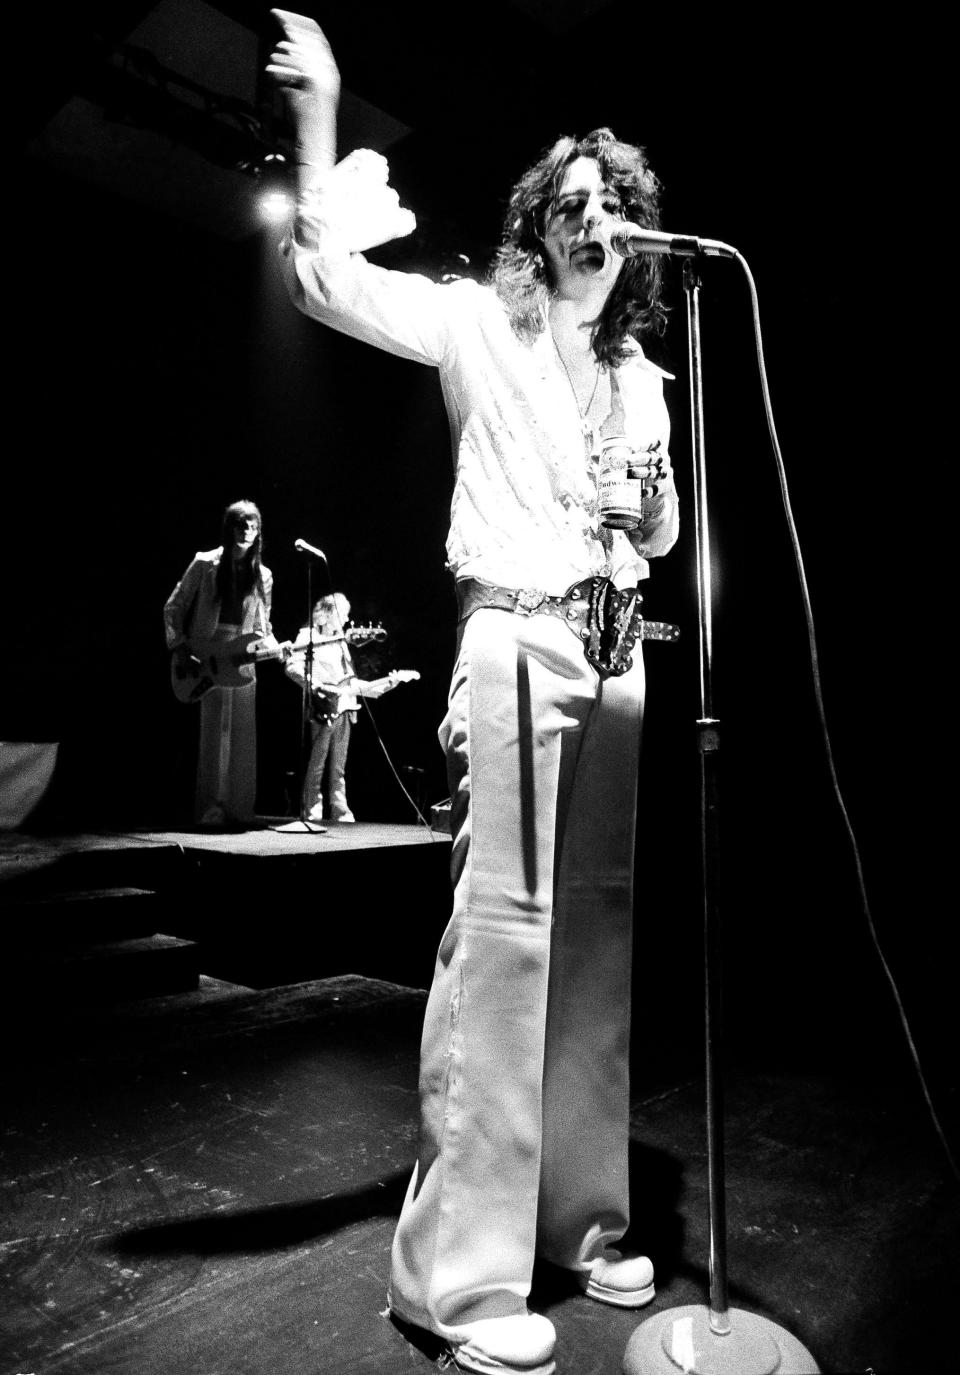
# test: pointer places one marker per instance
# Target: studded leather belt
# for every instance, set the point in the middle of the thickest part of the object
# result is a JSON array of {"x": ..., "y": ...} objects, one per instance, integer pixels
[{"x": 606, "y": 618}]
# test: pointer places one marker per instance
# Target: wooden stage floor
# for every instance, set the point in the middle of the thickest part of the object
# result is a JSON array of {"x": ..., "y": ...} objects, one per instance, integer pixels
[{"x": 208, "y": 1185}]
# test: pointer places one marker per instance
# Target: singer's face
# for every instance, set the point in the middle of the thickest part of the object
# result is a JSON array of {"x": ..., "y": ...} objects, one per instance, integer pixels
[{"x": 577, "y": 233}]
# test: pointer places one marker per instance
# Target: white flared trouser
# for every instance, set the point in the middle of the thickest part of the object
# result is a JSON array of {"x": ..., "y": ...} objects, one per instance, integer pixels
[
  {"x": 227, "y": 752},
  {"x": 524, "y": 1076}
]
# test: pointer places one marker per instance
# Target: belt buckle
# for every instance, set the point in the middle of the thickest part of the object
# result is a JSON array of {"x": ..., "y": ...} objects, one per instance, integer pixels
[{"x": 529, "y": 600}]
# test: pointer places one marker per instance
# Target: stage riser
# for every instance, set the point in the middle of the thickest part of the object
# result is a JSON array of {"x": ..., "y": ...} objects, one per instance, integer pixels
[
  {"x": 258, "y": 919},
  {"x": 266, "y": 922}
]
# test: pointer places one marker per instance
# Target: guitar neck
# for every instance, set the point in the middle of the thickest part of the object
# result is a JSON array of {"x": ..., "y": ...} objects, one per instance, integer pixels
[{"x": 392, "y": 680}]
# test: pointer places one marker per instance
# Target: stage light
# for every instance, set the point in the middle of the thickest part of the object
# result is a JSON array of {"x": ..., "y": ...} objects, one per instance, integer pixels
[{"x": 274, "y": 196}]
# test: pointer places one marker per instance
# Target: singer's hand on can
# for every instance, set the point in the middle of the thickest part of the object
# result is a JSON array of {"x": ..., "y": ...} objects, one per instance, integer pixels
[
  {"x": 303, "y": 62},
  {"x": 652, "y": 468}
]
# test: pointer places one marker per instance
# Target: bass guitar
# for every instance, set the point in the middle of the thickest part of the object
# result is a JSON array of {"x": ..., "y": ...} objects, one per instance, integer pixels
[{"x": 231, "y": 662}]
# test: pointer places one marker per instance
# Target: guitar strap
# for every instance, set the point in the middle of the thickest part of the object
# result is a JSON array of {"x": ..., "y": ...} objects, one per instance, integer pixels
[{"x": 262, "y": 604}]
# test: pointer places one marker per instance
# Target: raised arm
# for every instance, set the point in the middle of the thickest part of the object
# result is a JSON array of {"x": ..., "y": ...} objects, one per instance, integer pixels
[
  {"x": 343, "y": 209},
  {"x": 303, "y": 64}
]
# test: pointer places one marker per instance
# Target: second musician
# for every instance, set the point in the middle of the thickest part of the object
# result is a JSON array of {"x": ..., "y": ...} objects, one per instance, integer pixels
[{"x": 336, "y": 693}]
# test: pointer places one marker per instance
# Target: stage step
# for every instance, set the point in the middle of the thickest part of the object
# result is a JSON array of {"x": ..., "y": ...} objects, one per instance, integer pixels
[
  {"x": 93, "y": 946},
  {"x": 82, "y": 915},
  {"x": 207, "y": 990},
  {"x": 93, "y": 972}
]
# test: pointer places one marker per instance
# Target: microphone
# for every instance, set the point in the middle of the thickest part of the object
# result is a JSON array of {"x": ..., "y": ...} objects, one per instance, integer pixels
[
  {"x": 302, "y": 547},
  {"x": 630, "y": 239}
]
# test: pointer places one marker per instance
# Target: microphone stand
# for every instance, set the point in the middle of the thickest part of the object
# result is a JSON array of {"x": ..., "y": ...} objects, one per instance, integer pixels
[
  {"x": 695, "y": 1339},
  {"x": 303, "y": 825}
]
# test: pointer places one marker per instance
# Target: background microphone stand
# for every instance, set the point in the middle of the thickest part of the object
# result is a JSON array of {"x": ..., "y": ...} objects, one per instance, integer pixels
[
  {"x": 695, "y": 1339},
  {"x": 303, "y": 825}
]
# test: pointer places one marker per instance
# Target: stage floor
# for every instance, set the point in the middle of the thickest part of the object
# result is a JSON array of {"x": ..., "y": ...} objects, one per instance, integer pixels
[{"x": 209, "y": 1186}]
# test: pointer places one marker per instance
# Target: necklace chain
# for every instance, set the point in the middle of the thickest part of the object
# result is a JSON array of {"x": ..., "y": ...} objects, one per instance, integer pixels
[{"x": 585, "y": 411}]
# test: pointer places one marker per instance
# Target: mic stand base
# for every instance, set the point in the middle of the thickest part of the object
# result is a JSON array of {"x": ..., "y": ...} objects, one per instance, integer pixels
[
  {"x": 682, "y": 1339},
  {"x": 301, "y": 827}
]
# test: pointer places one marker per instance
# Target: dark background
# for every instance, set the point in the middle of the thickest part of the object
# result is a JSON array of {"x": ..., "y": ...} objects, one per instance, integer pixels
[{"x": 159, "y": 372}]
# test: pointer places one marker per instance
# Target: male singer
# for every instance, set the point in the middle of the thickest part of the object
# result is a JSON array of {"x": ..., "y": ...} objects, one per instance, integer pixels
[{"x": 524, "y": 1076}]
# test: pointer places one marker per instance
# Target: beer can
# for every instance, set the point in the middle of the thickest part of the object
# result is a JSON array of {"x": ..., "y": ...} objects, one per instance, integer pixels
[{"x": 619, "y": 497}]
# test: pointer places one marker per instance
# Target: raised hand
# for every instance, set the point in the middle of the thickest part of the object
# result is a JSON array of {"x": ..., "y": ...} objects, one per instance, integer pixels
[
  {"x": 303, "y": 65},
  {"x": 303, "y": 60}
]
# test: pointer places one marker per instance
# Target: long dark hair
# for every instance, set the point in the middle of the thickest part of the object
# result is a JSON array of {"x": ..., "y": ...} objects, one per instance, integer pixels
[
  {"x": 521, "y": 272},
  {"x": 239, "y": 577}
]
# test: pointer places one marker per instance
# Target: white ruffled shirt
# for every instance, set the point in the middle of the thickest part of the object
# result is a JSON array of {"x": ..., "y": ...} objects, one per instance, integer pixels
[{"x": 524, "y": 507}]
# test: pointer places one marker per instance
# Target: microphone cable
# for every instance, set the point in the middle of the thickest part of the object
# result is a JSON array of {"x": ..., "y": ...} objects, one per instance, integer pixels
[
  {"x": 421, "y": 819},
  {"x": 822, "y": 716}
]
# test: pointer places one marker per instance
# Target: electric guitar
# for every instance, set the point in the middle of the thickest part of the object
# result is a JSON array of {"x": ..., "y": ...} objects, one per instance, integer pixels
[
  {"x": 329, "y": 703},
  {"x": 231, "y": 663}
]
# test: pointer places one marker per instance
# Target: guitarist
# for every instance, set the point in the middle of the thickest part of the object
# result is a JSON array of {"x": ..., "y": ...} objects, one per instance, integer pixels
[
  {"x": 224, "y": 592},
  {"x": 336, "y": 698}
]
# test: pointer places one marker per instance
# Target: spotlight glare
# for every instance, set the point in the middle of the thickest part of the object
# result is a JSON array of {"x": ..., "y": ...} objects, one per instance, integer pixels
[
  {"x": 274, "y": 200},
  {"x": 275, "y": 206}
]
